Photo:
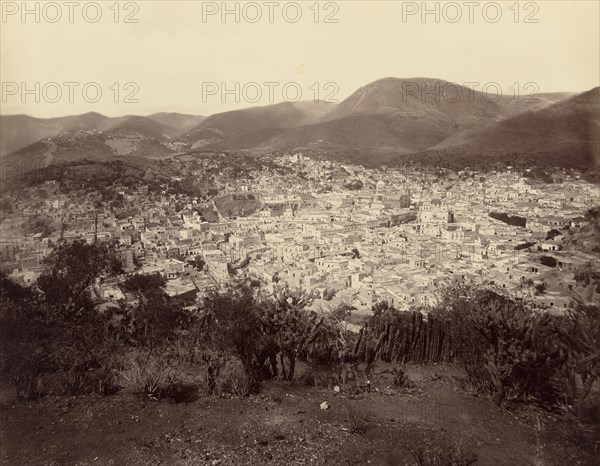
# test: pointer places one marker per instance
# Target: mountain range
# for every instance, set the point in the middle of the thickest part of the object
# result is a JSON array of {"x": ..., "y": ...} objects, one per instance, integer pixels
[{"x": 383, "y": 122}]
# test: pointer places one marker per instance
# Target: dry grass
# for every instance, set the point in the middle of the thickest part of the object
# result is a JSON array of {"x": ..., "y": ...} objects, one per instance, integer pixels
[
  {"x": 430, "y": 452},
  {"x": 232, "y": 380},
  {"x": 144, "y": 375}
]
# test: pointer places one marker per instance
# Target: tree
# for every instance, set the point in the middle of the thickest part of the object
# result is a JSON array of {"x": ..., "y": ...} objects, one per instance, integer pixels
[
  {"x": 540, "y": 288},
  {"x": 548, "y": 261},
  {"x": 143, "y": 284},
  {"x": 354, "y": 185},
  {"x": 198, "y": 262},
  {"x": 293, "y": 325},
  {"x": 72, "y": 269},
  {"x": 381, "y": 308},
  {"x": 514, "y": 220},
  {"x": 42, "y": 226},
  {"x": 553, "y": 234},
  {"x": 155, "y": 318},
  {"x": 236, "y": 323},
  {"x": 593, "y": 216},
  {"x": 525, "y": 245},
  {"x": 55, "y": 341}
]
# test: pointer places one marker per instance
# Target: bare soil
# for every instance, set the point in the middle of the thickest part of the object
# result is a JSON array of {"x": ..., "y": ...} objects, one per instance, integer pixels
[{"x": 284, "y": 424}]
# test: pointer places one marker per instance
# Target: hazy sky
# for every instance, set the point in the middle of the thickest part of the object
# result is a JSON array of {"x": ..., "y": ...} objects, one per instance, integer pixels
[{"x": 176, "y": 50}]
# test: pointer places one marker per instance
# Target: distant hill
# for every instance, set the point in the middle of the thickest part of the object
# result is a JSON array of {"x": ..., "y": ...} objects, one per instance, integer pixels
[
  {"x": 180, "y": 122},
  {"x": 249, "y": 127},
  {"x": 19, "y": 131},
  {"x": 404, "y": 116},
  {"x": 386, "y": 121},
  {"x": 118, "y": 143},
  {"x": 566, "y": 133},
  {"x": 137, "y": 126}
]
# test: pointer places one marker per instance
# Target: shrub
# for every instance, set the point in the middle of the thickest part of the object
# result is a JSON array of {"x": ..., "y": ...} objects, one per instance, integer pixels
[
  {"x": 144, "y": 375},
  {"x": 540, "y": 288},
  {"x": 525, "y": 245},
  {"x": 73, "y": 382},
  {"x": 358, "y": 423},
  {"x": 233, "y": 324},
  {"x": 185, "y": 349},
  {"x": 327, "y": 343},
  {"x": 308, "y": 378},
  {"x": 515, "y": 344},
  {"x": 400, "y": 377},
  {"x": 548, "y": 261},
  {"x": 44, "y": 351},
  {"x": 55, "y": 341},
  {"x": 431, "y": 452},
  {"x": 233, "y": 379},
  {"x": 579, "y": 332}
]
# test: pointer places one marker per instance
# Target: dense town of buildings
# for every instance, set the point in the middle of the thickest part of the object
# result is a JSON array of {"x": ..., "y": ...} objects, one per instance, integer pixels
[{"x": 351, "y": 234}]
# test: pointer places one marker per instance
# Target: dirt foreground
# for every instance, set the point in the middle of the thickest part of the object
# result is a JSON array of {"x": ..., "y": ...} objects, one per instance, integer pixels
[{"x": 431, "y": 422}]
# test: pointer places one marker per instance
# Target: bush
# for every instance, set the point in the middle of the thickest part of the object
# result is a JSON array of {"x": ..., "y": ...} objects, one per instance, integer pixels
[
  {"x": 514, "y": 220},
  {"x": 46, "y": 352},
  {"x": 144, "y": 375},
  {"x": 431, "y": 452},
  {"x": 233, "y": 380},
  {"x": 234, "y": 326},
  {"x": 56, "y": 341},
  {"x": 358, "y": 423},
  {"x": 548, "y": 261},
  {"x": 308, "y": 378},
  {"x": 73, "y": 382},
  {"x": 400, "y": 378},
  {"x": 525, "y": 245},
  {"x": 515, "y": 344},
  {"x": 579, "y": 333},
  {"x": 327, "y": 343}
]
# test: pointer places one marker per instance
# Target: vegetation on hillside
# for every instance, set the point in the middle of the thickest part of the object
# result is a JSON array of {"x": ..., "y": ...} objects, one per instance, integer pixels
[
  {"x": 57, "y": 339},
  {"x": 514, "y": 220}
]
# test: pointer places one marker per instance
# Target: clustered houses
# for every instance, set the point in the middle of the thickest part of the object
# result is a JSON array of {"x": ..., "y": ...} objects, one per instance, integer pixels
[{"x": 354, "y": 235}]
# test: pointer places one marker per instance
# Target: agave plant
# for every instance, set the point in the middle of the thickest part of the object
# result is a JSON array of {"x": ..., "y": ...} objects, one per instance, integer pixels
[{"x": 580, "y": 333}]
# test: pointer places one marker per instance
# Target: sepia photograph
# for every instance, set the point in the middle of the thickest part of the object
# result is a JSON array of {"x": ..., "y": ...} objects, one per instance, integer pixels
[{"x": 312, "y": 232}]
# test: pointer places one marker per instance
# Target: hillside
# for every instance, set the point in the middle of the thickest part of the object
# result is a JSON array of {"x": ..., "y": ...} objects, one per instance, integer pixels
[
  {"x": 179, "y": 123},
  {"x": 116, "y": 143},
  {"x": 136, "y": 126},
  {"x": 19, "y": 131},
  {"x": 566, "y": 133},
  {"x": 248, "y": 127},
  {"x": 423, "y": 119},
  {"x": 404, "y": 116}
]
